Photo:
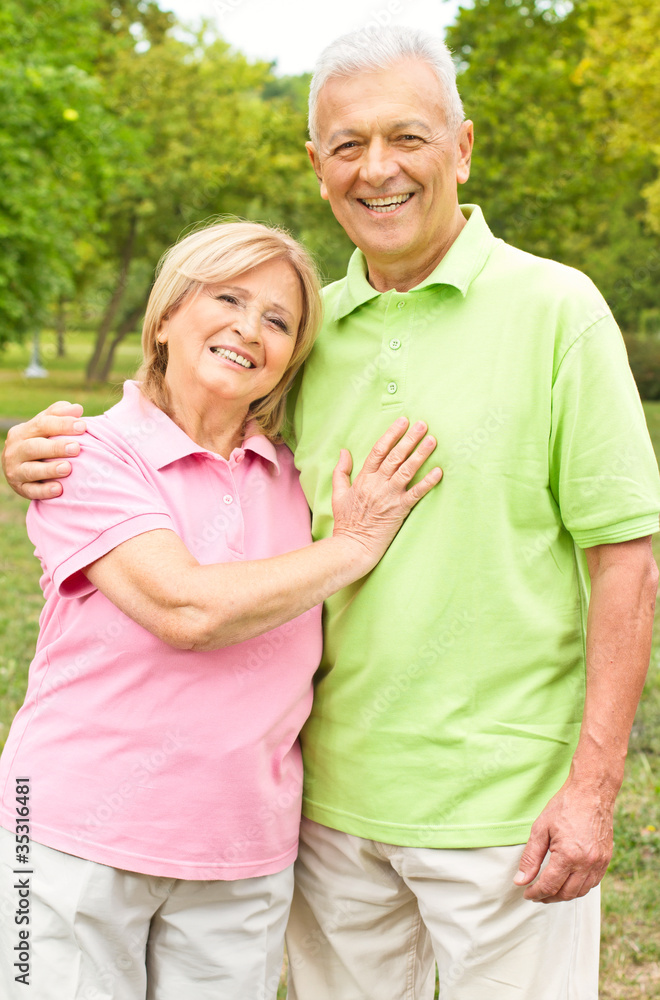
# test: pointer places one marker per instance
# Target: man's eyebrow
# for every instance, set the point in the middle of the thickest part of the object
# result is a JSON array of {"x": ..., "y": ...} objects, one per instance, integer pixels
[
  {"x": 343, "y": 133},
  {"x": 414, "y": 123},
  {"x": 351, "y": 133}
]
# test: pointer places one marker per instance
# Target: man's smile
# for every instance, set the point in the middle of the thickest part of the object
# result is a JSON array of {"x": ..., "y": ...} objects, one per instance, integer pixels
[{"x": 390, "y": 203}]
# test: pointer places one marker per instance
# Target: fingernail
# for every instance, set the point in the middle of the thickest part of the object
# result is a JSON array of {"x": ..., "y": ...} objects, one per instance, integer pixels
[
  {"x": 62, "y": 468},
  {"x": 55, "y": 490},
  {"x": 519, "y": 877},
  {"x": 72, "y": 449},
  {"x": 79, "y": 425},
  {"x": 420, "y": 426}
]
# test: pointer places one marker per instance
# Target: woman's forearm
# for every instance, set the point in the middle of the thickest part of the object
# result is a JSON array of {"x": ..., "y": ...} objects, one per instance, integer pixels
[
  {"x": 155, "y": 580},
  {"x": 237, "y": 601}
]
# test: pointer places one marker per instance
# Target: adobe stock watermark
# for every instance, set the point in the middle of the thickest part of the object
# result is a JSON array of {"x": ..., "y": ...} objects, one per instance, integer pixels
[
  {"x": 379, "y": 17},
  {"x": 426, "y": 656}
]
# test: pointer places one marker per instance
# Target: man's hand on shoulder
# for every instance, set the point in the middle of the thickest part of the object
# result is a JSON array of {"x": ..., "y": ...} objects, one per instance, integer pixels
[
  {"x": 576, "y": 827},
  {"x": 31, "y": 459}
]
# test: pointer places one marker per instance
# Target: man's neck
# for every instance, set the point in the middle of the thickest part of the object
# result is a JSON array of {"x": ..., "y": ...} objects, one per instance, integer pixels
[{"x": 405, "y": 273}]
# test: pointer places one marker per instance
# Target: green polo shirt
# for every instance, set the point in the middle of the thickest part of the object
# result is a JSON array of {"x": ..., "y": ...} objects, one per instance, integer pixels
[{"x": 451, "y": 689}]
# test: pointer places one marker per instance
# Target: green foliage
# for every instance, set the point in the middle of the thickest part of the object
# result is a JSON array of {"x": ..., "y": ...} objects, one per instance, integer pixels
[
  {"x": 543, "y": 167},
  {"x": 620, "y": 73},
  {"x": 644, "y": 358},
  {"x": 52, "y": 175}
]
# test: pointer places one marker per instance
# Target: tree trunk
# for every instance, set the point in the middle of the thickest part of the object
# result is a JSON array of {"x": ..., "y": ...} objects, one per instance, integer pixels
[
  {"x": 126, "y": 326},
  {"x": 60, "y": 327},
  {"x": 92, "y": 373}
]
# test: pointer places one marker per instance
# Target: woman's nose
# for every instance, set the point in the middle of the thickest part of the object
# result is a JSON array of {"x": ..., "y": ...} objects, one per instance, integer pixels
[{"x": 248, "y": 326}]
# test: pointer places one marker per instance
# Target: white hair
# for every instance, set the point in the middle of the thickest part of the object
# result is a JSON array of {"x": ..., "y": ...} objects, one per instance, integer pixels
[{"x": 374, "y": 48}]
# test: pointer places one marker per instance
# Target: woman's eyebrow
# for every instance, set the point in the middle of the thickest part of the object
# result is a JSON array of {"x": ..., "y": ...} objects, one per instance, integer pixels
[
  {"x": 244, "y": 291},
  {"x": 281, "y": 308}
]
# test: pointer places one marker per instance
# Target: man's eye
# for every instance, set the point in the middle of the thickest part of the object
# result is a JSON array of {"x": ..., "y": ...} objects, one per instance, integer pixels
[
  {"x": 411, "y": 138},
  {"x": 346, "y": 145}
]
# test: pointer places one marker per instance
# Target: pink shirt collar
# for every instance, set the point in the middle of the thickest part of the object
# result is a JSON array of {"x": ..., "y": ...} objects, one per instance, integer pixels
[{"x": 161, "y": 441}]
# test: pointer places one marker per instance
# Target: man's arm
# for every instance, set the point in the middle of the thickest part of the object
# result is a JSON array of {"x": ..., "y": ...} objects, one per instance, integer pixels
[
  {"x": 35, "y": 454},
  {"x": 577, "y": 824}
]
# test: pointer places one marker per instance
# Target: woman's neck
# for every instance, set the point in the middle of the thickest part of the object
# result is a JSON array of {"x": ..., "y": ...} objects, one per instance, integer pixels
[{"x": 215, "y": 425}]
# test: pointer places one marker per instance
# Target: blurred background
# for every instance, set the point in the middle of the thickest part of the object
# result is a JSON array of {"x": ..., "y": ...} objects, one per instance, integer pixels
[{"x": 124, "y": 124}]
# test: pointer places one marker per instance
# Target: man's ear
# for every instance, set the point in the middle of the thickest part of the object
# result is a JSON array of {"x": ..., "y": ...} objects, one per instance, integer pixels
[
  {"x": 465, "y": 144},
  {"x": 315, "y": 160}
]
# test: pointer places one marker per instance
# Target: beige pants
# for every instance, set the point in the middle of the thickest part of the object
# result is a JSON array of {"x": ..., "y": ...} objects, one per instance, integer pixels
[
  {"x": 369, "y": 921},
  {"x": 99, "y": 933}
]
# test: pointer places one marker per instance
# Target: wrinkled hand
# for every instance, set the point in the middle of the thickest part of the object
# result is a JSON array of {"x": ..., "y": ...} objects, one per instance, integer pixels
[
  {"x": 373, "y": 508},
  {"x": 31, "y": 459},
  {"x": 576, "y": 827}
]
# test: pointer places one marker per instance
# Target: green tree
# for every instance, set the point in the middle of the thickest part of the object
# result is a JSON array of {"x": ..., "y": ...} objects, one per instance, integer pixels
[
  {"x": 620, "y": 73},
  {"x": 542, "y": 169},
  {"x": 57, "y": 144}
]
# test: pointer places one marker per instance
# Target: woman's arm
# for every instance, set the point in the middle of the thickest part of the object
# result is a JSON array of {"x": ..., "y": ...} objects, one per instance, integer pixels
[{"x": 155, "y": 580}]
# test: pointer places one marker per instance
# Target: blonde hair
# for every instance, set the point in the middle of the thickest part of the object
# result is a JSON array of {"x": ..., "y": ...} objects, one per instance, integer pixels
[{"x": 218, "y": 253}]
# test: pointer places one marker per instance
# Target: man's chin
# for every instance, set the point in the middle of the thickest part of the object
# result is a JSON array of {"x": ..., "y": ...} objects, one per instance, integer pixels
[{"x": 380, "y": 243}]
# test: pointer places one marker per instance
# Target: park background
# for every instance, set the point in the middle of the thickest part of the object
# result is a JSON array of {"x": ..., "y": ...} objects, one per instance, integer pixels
[{"x": 126, "y": 124}]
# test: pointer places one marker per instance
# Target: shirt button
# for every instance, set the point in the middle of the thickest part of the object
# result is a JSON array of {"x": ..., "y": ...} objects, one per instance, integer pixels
[
  {"x": 395, "y": 343},
  {"x": 391, "y": 387},
  {"x": 228, "y": 498},
  {"x": 400, "y": 305}
]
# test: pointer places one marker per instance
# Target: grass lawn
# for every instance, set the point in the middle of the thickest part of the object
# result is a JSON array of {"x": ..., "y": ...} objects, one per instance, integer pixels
[
  {"x": 631, "y": 912},
  {"x": 21, "y": 397}
]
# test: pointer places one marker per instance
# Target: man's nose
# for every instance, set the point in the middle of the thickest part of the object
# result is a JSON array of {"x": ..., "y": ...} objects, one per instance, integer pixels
[{"x": 379, "y": 164}]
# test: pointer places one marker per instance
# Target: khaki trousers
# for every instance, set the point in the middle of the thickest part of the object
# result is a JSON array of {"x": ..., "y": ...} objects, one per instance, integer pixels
[
  {"x": 369, "y": 921},
  {"x": 100, "y": 933}
]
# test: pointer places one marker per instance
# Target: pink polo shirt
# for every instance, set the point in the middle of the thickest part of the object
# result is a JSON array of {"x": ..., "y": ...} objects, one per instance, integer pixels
[{"x": 140, "y": 756}]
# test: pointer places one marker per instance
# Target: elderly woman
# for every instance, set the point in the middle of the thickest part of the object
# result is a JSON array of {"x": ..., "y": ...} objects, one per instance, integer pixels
[{"x": 156, "y": 759}]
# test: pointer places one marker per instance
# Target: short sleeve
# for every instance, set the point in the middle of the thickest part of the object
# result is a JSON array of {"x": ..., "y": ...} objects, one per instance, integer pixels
[
  {"x": 108, "y": 498},
  {"x": 603, "y": 471}
]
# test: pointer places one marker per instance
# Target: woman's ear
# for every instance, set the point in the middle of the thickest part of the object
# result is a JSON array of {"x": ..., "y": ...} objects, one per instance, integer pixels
[{"x": 161, "y": 336}]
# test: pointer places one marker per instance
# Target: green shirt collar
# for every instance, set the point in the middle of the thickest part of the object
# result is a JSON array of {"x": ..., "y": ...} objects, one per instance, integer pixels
[{"x": 459, "y": 267}]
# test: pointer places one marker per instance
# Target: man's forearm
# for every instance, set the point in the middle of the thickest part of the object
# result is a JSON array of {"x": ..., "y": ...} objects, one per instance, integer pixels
[
  {"x": 576, "y": 825},
  {"x": 624, "y": 580}
]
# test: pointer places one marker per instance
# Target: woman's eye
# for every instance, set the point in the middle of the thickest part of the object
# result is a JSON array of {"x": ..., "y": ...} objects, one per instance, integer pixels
[
  {"x": 276, "y": 321},
  {"x": 227, "y": 298}
]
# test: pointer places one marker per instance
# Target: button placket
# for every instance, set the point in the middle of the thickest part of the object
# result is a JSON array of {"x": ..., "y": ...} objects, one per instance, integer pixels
[
  {"x": 395, "y": 339},
  {"x": 231, "y": 511}
]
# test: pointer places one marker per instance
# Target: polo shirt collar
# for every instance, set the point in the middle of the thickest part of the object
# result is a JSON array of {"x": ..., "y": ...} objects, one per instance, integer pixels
[
  {"x": 459, "y": 267},
  {"x": 161, "y": 441}
]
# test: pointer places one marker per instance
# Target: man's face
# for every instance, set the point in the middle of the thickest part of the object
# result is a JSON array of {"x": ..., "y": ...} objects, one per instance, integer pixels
[{"x": 387, "y": 162}]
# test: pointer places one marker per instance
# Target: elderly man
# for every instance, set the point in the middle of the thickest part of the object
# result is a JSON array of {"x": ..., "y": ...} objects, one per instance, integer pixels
[{"x": 473, "y": 706}]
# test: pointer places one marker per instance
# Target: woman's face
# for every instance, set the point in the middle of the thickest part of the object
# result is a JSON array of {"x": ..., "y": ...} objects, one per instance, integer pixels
[{"x": 234, "y": 340}]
